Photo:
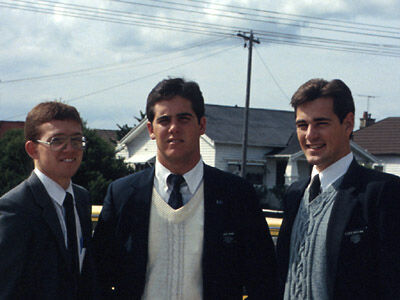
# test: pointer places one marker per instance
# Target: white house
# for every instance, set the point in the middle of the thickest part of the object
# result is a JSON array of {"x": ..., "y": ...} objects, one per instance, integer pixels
[{"x": 274, "y": 157}]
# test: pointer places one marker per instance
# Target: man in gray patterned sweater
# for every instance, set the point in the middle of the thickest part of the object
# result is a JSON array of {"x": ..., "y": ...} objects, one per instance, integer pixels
[{"x": 340, "y": 235}]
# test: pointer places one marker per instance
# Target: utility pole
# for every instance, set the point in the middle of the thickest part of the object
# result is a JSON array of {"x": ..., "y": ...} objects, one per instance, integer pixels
[{"x": 251, "y": 40}]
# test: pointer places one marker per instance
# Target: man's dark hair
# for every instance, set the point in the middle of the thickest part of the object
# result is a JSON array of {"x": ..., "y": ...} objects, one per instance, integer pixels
[
  {"x": 336, "y": 89},
  {"x": 46, "y": 112},
  {"x": 171, "y": 87}
]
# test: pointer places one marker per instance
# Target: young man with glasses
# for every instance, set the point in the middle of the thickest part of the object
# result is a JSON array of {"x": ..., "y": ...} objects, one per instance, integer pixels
[{"x": 45, "y": 223}]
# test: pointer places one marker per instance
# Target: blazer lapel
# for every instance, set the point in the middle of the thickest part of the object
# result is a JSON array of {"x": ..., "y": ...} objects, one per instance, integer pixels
[
  {"x": 49, "y": 214},
  {"x": 135, "y": 219},
  {"x": 213, "y": 228},
  {"x": 340, "y": 215},
  {"x": 84, "y": 213}
]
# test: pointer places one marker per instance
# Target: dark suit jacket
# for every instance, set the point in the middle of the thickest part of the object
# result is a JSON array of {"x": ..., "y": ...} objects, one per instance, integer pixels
[
  {"x": 33, "y": 256},
  {"x": 238, "y": 250},
  {"x": 363, "y": 236}
]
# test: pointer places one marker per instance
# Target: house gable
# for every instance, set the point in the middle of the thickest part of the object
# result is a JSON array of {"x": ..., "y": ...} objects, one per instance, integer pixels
[{"x": 381, "y": 138}]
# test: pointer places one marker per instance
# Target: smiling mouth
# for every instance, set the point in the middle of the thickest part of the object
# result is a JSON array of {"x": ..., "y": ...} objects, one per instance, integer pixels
[
  {"x": 175, "y": 141},
  {"x": 315, "y": 147},
  {"x": 68, "y": 160}
]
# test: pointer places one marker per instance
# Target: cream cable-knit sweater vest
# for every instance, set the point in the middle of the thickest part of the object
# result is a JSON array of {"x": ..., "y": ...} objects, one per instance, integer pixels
[{"x": 175, "y": 249}]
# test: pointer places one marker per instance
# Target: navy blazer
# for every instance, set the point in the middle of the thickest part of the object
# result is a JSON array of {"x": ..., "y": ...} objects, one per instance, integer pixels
[
  {"x": 33, "y": 256},
  {"x": 363, "y": 235},
  {"x": 238, "y": 250}
]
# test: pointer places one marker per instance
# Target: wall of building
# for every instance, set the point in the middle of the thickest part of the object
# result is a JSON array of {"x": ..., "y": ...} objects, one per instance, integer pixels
[
  {"x": 207, "y": 151},
  {"x": 391, "y": 164},
  {"x": 227, "y": 153},
  {"x": 142, "y": 145}
]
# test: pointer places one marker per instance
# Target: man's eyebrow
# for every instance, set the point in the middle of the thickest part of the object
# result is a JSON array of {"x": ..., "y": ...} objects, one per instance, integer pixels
[
  {"x": 185, "y": 114},
  {"x": 301, "y": 121},
  {"x": 321, "y": 119},
  {"x": 164, "y": 117},
  {"x": 63, "y": 134}
]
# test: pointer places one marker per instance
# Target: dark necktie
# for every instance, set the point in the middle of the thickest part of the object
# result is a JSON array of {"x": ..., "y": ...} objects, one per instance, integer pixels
[
  {"x": 71, "y": 233},
  {"x": 175, "y": 199},
  {"x": 315, "y": 188}
]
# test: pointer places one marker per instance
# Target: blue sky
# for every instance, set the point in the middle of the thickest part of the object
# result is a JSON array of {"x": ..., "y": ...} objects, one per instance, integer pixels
[{"x": 106, "y": 69}]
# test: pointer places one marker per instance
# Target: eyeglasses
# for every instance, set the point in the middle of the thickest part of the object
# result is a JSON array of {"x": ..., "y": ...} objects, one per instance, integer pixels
[{"x": 60, "y": 142}]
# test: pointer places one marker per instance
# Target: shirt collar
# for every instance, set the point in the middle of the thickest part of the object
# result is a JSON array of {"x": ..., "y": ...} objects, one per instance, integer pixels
[
  {"x": 56, "y": 192},
  {"x": 334, "y": 171},
  {"x": 193, "y": 178}
]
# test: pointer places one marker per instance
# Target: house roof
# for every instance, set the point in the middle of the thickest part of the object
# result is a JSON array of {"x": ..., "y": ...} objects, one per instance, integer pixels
[
  {"x": 108, "y": 135},
  {"x": 293, "y": 146},
  {"x": 7, "y": 125},
  {"x": 271, "y": 128},
  {"x": 381, "y": 138}
]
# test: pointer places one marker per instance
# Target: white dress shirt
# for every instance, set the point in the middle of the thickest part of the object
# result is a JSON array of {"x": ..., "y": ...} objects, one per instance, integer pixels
[
  {"x": 57, "y": 194},
  {"x": 193, "y": 179},
  {"x": 333, "y": 172}
]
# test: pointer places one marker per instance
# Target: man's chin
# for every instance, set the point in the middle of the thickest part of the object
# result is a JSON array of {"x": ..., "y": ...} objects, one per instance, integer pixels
[{"x": 312, "y": 160}]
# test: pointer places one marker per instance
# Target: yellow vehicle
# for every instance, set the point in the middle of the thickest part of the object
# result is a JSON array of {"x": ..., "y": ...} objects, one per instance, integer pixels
[{"x": 273, "y": 218}]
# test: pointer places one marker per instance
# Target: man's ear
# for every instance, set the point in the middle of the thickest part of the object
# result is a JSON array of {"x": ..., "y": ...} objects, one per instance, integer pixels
[
  {"x": 348, "y": 122},
  {"x": 150, "y": 130},
  {"x": 31, "y": 149},
  {"x": 203, "y": 123}
]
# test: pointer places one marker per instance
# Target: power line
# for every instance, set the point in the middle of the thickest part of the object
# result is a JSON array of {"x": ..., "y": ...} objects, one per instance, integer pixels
[
  {"x": 272, "y": 75},
  {"x": 144, "y": 60},
  {"x": 307, "y": 18},
  {"x": 205, "y": 56},
  {"x": 301, "y": 21},
  {"x": 183, "y": 25}
]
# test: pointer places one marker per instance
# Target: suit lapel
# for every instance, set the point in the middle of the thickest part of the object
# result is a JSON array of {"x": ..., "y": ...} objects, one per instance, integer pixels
[
  {"x": 212, "y": 225},
  {"x": 49, "y": 214},
  {"x": 340, "y": 215},
  {"x": 213, "y": 228},
  {"x": 83, "y": 209},
  {"x": 135, "y": 219}
]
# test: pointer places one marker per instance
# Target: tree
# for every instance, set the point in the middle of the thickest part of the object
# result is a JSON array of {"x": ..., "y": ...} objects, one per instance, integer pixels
[
  {"x": 124, "y": 129},
  {"x": 99, "y": 165},
  {"x": 15, "y": 164}
]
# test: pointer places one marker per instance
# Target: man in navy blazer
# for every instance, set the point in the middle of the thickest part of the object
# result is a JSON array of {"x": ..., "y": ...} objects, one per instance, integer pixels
[
  {"x": 148, "y": 248},
  {"x": 36, "y": 259},
  {"x": 338, "y": 240}
]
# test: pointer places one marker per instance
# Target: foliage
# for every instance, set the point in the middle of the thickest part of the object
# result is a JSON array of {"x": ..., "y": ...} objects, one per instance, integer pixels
[
  {"x": 15, "y": 164},
  {"x": 279, "y": 191},
  {"x": 142, "y": 116},
  {"x": 99, "y": 167},
  {"x": 124, "y": 129}
]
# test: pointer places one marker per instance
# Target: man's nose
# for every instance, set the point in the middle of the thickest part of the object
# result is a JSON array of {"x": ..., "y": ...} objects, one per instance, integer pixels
[
  {"x": 68, "y": 145},
  {"x": 311, "y": 133},
  {"x": 173, "y": 126}
]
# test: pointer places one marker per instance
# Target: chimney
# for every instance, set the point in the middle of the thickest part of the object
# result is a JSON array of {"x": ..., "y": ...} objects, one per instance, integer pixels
[{"x": 366, "y": 120}]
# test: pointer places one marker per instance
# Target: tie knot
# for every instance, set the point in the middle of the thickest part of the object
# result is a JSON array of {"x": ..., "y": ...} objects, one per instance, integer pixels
[
  {"x": 315, "y": 187},
  {"x": 68, "y": 200},
  {"x": 176, "y": 180}
]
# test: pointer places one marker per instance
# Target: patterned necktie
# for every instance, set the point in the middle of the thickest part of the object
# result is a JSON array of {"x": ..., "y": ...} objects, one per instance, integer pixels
[
  {"x": 175, "y": 200},
  {"x": 315, "y": 188},
  {"x": 68, "y": 205}
]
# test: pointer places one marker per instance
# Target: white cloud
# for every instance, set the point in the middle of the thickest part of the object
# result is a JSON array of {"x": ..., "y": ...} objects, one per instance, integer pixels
[{"x": 36, "y": 44}]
